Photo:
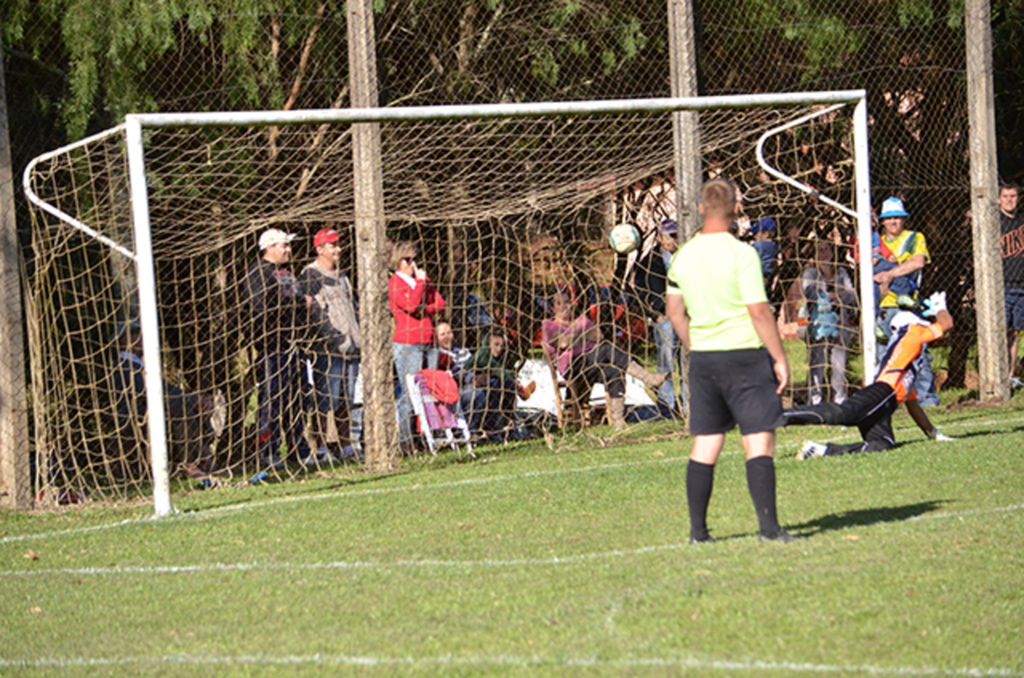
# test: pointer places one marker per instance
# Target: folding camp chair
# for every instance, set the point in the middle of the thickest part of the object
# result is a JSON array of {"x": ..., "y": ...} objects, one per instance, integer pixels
[{"x": 439, "y": 421}]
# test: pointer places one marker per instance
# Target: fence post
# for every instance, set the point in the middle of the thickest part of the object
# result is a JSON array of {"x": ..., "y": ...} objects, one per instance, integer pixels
[
  {"x": 379, "y": 423},
  {"x": 685, "y": 135},
  {"x": 685, "y": 124},
  {"x": 993, "y": 362},
  {"x": 15, "y": 479}
]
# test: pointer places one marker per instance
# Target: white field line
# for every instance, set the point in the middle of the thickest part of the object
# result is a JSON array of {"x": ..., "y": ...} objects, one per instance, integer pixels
[
  {"x": 726, "y": 665},
  {"x": 71, "y": 530},
  {"x": 194, "y": 515},
  {"x": 405, "y": 564},
  {"x": 199, "y": 515},
  {"x": 347, "y": 565},
  {"x": 742, "y": 666},
  {"x": 968, "y": 512}
]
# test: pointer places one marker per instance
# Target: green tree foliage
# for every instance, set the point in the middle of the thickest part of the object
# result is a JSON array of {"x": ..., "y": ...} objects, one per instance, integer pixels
[
  {"x": 908, "y": 55},
  {"x": 124, "y": 55},
  {"x": 518, "y": 50}
]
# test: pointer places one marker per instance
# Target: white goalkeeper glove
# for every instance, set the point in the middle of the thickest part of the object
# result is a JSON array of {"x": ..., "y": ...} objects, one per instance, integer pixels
[
  {"x": 934, "y": 304},
  {"x": 935, "y": 434}
]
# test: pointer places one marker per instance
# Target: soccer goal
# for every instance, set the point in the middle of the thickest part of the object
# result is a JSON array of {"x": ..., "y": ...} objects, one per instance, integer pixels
[{"x": 151, "y": 227}]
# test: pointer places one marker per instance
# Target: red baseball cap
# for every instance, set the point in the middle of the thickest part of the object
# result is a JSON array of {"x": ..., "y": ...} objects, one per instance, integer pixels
[{"x": 324, "y": 236}]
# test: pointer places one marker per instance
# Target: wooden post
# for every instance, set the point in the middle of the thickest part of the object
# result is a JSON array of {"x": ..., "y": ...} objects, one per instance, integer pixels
[
  {"x": 685, "y": 134},
  {"x": 993, "y": 362},
  {"x": 15, "y": 479},
  {"x": 380, "y": 427},
  {"x": 685, "y": 124}
]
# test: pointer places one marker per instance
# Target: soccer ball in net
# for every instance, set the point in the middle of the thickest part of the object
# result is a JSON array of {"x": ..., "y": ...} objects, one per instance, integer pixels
[{"x": 624, "y": 238}]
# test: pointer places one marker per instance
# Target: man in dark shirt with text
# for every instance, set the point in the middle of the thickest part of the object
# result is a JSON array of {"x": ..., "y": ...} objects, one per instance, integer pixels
[{"x": 1012, "y": 227}]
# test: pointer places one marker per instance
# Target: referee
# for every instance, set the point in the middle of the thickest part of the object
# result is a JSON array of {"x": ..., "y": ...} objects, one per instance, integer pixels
[{"x": 717, "y": 304}]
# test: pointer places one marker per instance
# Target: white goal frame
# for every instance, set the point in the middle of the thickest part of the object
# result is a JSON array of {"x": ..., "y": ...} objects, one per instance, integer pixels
[{"x": 135, "y": 124}]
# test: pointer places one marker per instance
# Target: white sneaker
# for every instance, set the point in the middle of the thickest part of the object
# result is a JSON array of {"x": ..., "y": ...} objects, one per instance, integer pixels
[
  {"x": 810, "y": 449},
  {"x": 321, "y": 457}
]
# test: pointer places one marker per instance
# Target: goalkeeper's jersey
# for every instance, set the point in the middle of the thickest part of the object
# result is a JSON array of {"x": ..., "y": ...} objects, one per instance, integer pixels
[{"x": 898, "y": 367}]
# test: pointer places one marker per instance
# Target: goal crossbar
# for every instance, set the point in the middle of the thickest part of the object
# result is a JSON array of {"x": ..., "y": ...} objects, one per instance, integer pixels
[{"x": 485, "y": 111}]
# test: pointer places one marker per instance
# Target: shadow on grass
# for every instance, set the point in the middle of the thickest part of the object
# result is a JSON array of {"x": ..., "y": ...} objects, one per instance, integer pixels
[{"x": 862, "y": 517}]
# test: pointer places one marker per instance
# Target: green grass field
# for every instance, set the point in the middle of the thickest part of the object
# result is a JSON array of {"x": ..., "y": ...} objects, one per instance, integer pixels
[{"x": 538, "y": 561}]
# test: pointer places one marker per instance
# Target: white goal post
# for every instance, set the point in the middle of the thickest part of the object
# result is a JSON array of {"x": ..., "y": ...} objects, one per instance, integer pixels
[{"x": 135, "y": 128}]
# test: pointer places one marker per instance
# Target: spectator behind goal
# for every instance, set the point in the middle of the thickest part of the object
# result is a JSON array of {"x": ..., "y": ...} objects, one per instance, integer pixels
[
  {"x": 335, "y": 349},
  {"x": 190, "y": 433},
  {"x": 281, "y": 318}
]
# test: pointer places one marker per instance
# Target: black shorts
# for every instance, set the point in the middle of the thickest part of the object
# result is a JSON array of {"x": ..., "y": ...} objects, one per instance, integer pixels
[{"x": 733, "y": 387}]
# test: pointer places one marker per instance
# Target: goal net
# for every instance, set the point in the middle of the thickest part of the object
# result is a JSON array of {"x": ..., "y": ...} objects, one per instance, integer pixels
[{"x": 504, "y": 212}]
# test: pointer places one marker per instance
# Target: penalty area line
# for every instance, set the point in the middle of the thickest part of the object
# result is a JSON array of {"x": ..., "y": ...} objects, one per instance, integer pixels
[
  {"x": 223, "y": 510},
  {"x": 251, "y": 505},
  {"x": 510, "y": 661},
  {"x": 345, "y": 565},
  {"x": 407, "y": 564}
]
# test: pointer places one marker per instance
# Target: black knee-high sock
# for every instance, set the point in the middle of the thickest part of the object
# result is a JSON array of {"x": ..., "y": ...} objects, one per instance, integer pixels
[
  {"x": 699, "y": 480},
  {"x": 761, "y": 483}
]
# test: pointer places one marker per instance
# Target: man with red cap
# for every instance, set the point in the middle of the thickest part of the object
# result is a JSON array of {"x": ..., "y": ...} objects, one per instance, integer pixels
[{"x": 336, "y": 347}]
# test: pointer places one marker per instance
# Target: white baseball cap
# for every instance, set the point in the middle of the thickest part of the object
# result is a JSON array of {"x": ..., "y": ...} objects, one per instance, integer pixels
[{"x": 274, "y": 236}]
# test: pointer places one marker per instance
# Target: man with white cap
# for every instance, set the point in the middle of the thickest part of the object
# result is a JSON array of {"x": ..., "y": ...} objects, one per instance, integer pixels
[
  {"x": 911, "y": 252},
  {"x": 280, "y": 318},
  {"x": 337, "y": 345},
  {"x": 871, "y": 408}
]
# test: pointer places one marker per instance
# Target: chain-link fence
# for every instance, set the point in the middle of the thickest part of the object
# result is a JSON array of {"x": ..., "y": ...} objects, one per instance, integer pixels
[{"x": 907, "y": 54}]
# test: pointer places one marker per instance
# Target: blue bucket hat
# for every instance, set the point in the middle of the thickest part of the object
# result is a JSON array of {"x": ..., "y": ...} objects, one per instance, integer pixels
[
  {"x": 892, "y": 207},
  {"x": 766, "y": 224}
]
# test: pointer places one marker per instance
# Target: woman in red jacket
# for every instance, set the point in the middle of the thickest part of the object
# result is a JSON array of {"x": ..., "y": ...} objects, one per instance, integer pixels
[{"x": 414, "y": 301}]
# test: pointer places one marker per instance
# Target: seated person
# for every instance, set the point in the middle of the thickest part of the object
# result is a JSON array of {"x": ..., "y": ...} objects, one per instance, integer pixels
[
  {"x": 453, "y": 359},
  {"x": 492, "y": 399},
  {"x": 188, "y": 415},
  {"x": 450, "y": 358},
  {"x": 578, "y": 351}
]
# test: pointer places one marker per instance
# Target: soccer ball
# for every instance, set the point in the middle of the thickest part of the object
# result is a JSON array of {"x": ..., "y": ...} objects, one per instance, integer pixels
[{"x": 624, "y": 238}]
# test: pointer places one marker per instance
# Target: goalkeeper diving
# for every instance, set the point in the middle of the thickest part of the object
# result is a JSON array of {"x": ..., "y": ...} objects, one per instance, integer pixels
[{"x": 871, "y": 408}]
